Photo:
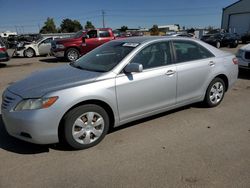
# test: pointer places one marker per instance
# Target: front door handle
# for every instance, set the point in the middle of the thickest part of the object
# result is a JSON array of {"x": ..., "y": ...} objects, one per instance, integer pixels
[
  {"x": 170, "y": 72},
  {"x": 211, "y": 63}
]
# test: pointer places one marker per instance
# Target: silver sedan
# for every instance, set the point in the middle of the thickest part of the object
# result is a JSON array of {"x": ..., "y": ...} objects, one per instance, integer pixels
[{"x": 118, "y": 82}]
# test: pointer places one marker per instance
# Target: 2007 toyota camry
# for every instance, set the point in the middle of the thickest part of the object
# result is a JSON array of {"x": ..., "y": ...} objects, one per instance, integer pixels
[{"x": 118, "y": 82}]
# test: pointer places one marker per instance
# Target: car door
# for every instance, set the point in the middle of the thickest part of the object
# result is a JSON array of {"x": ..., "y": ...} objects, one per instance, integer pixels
[
  {"x": 194, "y": 65},
  {"x": 150, "y": 90},
  {"x": 45, "y": 46},
  {"x": 104, "y": 36},
  {"x": 91, "y": 42}
]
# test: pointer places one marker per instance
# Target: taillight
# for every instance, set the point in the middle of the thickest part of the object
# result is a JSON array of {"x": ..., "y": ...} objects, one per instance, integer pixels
[
  {"x": 235, "y": 61},
  {"x": 2, "y": 49}
]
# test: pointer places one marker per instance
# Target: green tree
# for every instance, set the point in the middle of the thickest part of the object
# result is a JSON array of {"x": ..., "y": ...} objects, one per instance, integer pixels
[
  {"x": 154, "y": 30},
  {"x": 69, "y": 26},
  {"x": 124, "y": 28},
  {"x": 49, "y": 26},
  {"x": 89, "y": 25}
]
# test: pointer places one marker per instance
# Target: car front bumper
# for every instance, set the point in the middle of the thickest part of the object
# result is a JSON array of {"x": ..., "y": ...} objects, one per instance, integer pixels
[
  {"x": 4, "y": 56},
  {"x": 35, "y": 126}
]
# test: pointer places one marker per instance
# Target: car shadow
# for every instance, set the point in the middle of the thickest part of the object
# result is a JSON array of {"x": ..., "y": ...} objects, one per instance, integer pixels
[
  {"x": 244, "y": 74},
  {"x": 2, "y": 65},
  {"x": 53, "y": 60},
  {"x": 14, "y": 145},
  {"x": 137, "y": 122}
]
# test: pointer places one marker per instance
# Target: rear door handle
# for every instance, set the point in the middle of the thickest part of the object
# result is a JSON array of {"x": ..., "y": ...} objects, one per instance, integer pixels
[
  {"x": 211, "y": 63},
  {"x": 170, "y": 72}
]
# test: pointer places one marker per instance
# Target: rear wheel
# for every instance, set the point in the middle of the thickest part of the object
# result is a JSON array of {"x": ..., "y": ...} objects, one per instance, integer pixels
[
  {"x": 29, "y": 53},
  {"x": 85, "y": 126},
  {"x": 72, "y": 54},
  {"x": 215, "y": 93},
  {"x": 235, "y": 44}
]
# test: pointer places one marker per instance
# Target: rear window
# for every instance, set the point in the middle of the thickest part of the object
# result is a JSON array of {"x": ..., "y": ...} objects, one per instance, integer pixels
[{"x": 190, "y": 51}]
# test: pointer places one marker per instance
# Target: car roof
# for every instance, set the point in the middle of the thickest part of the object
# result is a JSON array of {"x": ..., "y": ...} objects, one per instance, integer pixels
[{"x": 144, "y": 39}]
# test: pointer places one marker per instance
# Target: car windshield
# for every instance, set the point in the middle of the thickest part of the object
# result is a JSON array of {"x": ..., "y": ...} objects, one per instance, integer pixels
[
  {"x": 39, "y": 40},
  {"x": 78, "y": 34},
  {"x": 106, "y": 57}
]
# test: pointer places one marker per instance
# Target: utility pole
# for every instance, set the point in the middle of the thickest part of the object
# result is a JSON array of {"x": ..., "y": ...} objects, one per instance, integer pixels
[
  {"x": 39, "y": 27},
  {"x": 103, "y": 19}
]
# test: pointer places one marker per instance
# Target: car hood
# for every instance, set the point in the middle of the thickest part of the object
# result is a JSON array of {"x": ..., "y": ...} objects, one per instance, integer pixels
[{"x": 42, "y": 82}]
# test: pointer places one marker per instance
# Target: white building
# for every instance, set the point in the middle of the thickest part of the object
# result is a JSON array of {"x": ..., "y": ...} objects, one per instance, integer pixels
[
  {"x": 169, "y": 28},
  {"x": 236, "y": 17},
  {"x": 7, "y": 34}
]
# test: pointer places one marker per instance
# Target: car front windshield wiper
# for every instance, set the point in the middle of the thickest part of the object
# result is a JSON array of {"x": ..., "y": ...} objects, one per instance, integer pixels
[{"x": 83, "y": 68}]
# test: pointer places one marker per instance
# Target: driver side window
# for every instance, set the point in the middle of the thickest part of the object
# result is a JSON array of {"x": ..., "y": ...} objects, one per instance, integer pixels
[
  {"x": 92, "y": 34},
  {"x": 154, "y": 55}
]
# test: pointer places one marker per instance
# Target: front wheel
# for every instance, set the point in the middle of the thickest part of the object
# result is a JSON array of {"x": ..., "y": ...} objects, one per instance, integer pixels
[
  {"x": 29, "y": 53},
  {"x": 215, "y": 93},
  {"x": 72, "y": 54},
  {"x": 85, "y": 126}
]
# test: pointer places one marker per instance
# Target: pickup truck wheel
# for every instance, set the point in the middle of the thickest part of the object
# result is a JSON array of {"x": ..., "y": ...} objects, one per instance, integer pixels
[
  {"x": 29, "y": 53},
  {"x": 85, "y": 126},
  {"x": 72, "y": 54}
]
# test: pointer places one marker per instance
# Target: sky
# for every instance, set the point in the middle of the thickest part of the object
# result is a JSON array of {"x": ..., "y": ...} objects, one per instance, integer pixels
[{"x": 28, "y": 16}]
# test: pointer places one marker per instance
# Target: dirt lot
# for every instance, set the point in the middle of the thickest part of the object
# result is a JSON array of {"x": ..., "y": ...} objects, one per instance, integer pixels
[{"x": 188, "y": 147}]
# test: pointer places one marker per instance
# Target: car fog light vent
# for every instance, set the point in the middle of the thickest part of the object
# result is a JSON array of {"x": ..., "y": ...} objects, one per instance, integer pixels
[{"x": 27, "y": 135}]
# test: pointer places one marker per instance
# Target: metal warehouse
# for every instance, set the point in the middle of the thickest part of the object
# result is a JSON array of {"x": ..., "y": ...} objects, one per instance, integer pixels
[{"x": 236, "y": 17}]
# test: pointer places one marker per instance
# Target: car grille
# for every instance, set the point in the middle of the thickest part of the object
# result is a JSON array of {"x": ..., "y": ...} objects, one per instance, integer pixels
[{"x": 247, "y": 55}]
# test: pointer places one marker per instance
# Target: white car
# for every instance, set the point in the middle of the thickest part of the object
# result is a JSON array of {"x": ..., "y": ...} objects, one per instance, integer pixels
[
  {"x": 243, "y": 56},
  {"x": 37, "y": 48}
]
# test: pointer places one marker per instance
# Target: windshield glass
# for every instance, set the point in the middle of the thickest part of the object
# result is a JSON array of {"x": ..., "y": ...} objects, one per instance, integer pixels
[
  {"x": 78, "y": 34},
  {"x": 106, "y": 57},
  {"x": 39, "y": 40}
]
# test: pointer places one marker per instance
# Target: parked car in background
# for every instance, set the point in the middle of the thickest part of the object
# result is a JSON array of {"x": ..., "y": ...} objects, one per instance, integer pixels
[
  {"x": 181, "y": 35},
  {"x": 245, "y": 38},
  {"x": 116, "y": 83},
  {"x": 83, "y": 42},
  {"x": 3, "y": 52},
  {"x": 243, "y": 56},
  {"x": 37, "y": 48},
  {"x": 221, "y": 40}
]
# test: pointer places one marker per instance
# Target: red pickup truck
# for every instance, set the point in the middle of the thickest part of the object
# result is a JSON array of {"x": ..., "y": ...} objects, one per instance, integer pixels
[{"x": 81, "y": 43}]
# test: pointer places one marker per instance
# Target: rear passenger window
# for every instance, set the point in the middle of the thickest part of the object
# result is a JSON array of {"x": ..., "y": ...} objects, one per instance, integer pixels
[
  {"x": 154, "y": 55},
  {"x": 104, "y": 34},
  {"x": 190, "y": 51}
]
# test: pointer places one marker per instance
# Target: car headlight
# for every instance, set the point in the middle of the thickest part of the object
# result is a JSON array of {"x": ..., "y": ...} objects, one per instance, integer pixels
[
  {"x": 32, "y": 104},
  {"x": 60, "y": 46}
]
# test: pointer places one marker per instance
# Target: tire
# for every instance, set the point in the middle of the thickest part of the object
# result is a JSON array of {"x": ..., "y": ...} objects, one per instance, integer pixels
[
  {"x": 234, "y": 44},
  {"x": 218, "y": 44},
  {"x": 72, "y": 54},
  {"x": 81, "y": 133},
  {"x": 215, "y": 93},
  {"x": 29, "y": 53}
]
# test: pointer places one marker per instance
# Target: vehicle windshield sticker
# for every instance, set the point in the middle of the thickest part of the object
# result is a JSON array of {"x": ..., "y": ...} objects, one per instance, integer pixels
[{"x": 131, "y": 44}]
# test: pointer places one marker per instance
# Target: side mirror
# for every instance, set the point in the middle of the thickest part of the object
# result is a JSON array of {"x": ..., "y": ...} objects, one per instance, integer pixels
[{"x": 133, "y": 67}]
